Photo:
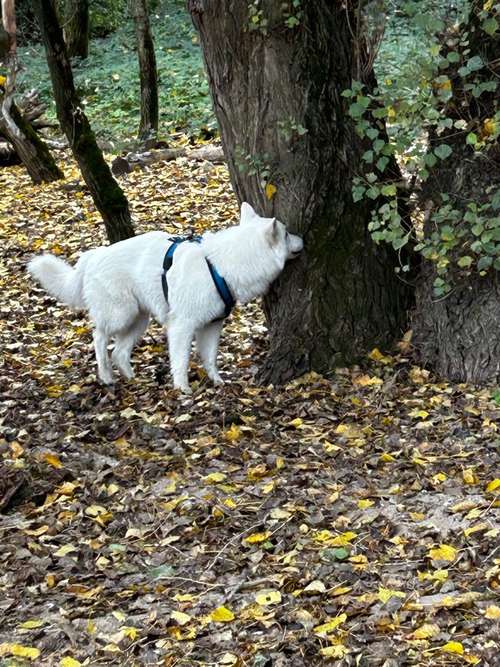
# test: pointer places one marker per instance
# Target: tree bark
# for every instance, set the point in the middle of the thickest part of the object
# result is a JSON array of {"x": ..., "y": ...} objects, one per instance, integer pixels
[
  {"x": 106, "y": 193},
  {"x": 30, "y": 149},
  {"x": 458, "y": 335},
  {"x": 148, "y": 128},
  {"x": 277, "y": 96},
  {"x": 76, "y": 28}
]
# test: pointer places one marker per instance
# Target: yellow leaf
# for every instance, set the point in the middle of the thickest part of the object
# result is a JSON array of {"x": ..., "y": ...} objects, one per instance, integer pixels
[
  {"x": 493, "y": 485},
  {"x": 215, "y": 477},
  {"x": 52, "y": 459},
  {"x": 270, "y": 191},
  {"x": 475, "y": 529},
  {"x": 257, "y": 471},
  {"x": 184, "y": 597},
  {"x": 222, "y": 615},
  {"x": 297, "y": 422},
  {"x": 385, "y": 594},
  {"x": 365, "y": 504},
  {"x": 65, "y": 550},
  {"x": 20, "y": 651},
  {"x": 387, "y": 458},
  {"x": 68, "y": 661},
  {"x": 453, "y": 647},
  {"x": 3, "y": 80},
  {"x": 232, "y": 434},
  {"x": 492, "y": 612},
  {"x": 340, "y": 590},
  {"x": 326, "y": 628},
  {"x": 336, "y": 651},
  {"x": 30, "y": 625},
  {"x": 489, "y": 127},
  {"x": 130, "y": 632},
  {"x": 418, "y": 414},
  {"x": 443, "y": 552},
  {"x": 469, "y": 476},
  {"x": 367, "y": 381},
  {"x": 256, "y": 538},
  {"x": 180, "y": 617},
  {"x": 471, "y": 659},
  {"x": 343, "y": 540},
  {"x": 358, "y": 559},
  {"x": 425, "y": 631},
  {"x": 268, "y": 597},
  {"x": 376, "y": 355},
  {"x": 55, "y": 390},
  {"x": 50, "y": 580}
]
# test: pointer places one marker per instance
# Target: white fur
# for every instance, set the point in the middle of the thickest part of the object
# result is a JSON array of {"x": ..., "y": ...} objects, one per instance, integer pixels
[{"x": 120, "y": 286}]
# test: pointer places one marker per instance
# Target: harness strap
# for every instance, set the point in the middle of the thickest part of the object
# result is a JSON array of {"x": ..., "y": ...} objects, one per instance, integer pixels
[{"x": 219, "y": 282}]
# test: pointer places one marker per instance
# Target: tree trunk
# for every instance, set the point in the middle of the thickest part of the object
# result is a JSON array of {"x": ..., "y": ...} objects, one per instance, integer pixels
[
  {"x": 76, "y": 27},
  {"x": 458, "y": 335},
  {"x": 148, "y": 128},
  {"x": 30, "y": 149},
  {"x": 106, "y": 193},
  {"x": 276, "y": 86}
]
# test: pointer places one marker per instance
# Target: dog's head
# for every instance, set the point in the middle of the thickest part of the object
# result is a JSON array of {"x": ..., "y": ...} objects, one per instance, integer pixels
[{"x": 281, "y": 241}]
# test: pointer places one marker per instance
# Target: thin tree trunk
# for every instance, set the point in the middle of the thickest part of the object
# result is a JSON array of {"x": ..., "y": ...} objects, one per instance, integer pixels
[
  {"x": 30, "y": 149},
  {"x": 76, "y": 27},
  {"x": 148, "y": 128},
  {"x": 458, "y": 335},
  {"x": 277, "y": 96},
  {"x": 106, "y": 193}
]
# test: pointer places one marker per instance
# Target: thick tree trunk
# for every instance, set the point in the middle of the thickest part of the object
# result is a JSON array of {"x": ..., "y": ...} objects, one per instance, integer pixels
[
  {"x": 76, "y": 27},
  {"x": 277, "y": 96},
  {"x": 30, "y": 149},
  {"x": 458, "y": 335},
  {"x": 106, "y": 193},
  {"x": 148, "y": 128}
]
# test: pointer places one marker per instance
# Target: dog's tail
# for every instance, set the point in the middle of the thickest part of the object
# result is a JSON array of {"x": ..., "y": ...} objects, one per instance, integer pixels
[{"x": 59, "y": 279}]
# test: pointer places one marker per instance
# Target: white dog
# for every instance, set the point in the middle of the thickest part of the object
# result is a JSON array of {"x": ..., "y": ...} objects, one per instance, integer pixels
[{"x": 121, "y": 286}]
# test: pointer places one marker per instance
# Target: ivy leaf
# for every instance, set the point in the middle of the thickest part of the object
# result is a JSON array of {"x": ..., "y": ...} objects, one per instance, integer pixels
[{"x": 443, "y": 151}]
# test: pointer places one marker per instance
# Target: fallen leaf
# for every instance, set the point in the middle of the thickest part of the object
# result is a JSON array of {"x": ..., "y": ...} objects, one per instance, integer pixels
[{"x": 222, "y": 615}]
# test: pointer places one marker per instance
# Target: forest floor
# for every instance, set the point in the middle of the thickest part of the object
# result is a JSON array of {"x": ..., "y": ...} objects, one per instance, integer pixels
[{"x": 352, "y": 518}]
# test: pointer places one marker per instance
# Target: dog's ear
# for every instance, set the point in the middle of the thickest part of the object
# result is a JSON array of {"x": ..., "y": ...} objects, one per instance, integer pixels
[
  {"x": 272, "y": 232},
  {"x": 247, "y": 213}
]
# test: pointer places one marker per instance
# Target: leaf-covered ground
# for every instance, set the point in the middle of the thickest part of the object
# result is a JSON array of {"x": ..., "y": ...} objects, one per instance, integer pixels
[{"x": 353, "y": 518}]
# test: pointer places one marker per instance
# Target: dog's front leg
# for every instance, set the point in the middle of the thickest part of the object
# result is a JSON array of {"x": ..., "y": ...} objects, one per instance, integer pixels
[
  {"x": 180, "y": 336},
  {"x": 207, "y": 342}
]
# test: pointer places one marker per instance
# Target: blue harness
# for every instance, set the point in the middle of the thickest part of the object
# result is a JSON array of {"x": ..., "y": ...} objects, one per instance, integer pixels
[{"x": 219, "y": 282}]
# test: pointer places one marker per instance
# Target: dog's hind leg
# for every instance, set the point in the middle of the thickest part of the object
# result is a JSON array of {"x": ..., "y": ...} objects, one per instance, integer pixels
[
  {"x": 104, "y": 368},
  {"x": 207, "y": 343},
  {"x": 180, "y": 336},
  {"x": 124, "y": 344}
]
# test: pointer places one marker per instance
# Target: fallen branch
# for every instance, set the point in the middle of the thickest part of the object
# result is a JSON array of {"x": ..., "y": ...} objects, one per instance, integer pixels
[{"x": 124, "y": 165}]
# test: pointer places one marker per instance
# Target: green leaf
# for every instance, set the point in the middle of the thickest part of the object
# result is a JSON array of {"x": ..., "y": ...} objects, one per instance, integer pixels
[
  {"x": 389, "y": 190},
  {"x": 443, "y": 151},
  {"x": 341, "y": 553},
  {"x": 471, "y": 138},
  {"x": 484, "y": 263},
  {"x": 490, "y": 26},
  {"x": 464, "y": 262}
]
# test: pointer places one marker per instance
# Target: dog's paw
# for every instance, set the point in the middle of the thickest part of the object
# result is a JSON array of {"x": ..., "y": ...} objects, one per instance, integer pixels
[
  {"x": 107, "y": 378},
  {"x": 185, "y": 389}
]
